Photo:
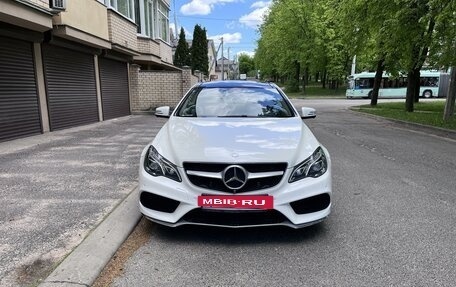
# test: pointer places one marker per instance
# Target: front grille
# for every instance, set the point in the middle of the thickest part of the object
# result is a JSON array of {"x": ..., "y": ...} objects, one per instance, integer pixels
[
  {"x": 251, "y": 184},
  {"x": 235, "y": 217}
]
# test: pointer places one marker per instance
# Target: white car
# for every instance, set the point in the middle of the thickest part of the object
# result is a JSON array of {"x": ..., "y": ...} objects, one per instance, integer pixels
[{"x": 235, "y": 154}]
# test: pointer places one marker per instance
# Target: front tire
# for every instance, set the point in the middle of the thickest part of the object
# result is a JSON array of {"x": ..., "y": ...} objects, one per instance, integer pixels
[{"x": 427, "y": 94}]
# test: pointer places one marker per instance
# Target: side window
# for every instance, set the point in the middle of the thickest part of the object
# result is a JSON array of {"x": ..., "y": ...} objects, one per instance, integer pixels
[{"x": 188, "y": 107}]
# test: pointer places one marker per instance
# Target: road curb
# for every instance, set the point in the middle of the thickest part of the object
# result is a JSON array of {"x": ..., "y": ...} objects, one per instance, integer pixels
[
  {"x": 86, "y": 262},
  {"x": 446, "y": 133}
]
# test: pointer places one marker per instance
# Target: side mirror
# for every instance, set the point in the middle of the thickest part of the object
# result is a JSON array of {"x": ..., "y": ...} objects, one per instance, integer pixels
[
  {"x": 308, "y": 113},
  {"x": 162, "y": 112}
]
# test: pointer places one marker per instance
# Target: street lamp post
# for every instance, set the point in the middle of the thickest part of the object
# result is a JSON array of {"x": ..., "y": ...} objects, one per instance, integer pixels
[{"x": 223, "y": 66}]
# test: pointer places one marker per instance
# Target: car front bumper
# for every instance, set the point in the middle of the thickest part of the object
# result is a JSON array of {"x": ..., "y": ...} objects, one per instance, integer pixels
[{"x": 185, "y": 194}]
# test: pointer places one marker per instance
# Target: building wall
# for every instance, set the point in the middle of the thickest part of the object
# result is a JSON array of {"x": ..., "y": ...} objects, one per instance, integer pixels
[
  {"x": 93, "y": 19},
  {"x": 16, "y": 13},
  {"x": 151, "y": 89},
  {"x": 193, "y": 81},
  {"x": 148, "y": 46},
  {"x": 166, "y": 52},
  {"x": 122, "y": 31}
]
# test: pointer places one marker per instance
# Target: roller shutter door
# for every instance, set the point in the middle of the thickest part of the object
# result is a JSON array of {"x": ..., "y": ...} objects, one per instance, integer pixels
[
  {"x": 70, "y": 86},
  {"x": 114, "y": 88},
  {"x": 19, "y": 108}
]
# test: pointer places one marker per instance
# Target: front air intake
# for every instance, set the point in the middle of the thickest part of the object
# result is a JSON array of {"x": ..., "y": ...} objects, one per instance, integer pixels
[
  {"x": 158, "y": 203},
  {"x": 311, "y": 204}
]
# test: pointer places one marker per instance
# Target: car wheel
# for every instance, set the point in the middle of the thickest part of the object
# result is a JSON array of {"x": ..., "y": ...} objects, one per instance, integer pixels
[{"x": 427, "y": 94}]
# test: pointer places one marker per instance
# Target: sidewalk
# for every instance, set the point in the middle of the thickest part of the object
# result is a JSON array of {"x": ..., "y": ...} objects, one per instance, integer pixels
[{"x": 57, "y": 187}]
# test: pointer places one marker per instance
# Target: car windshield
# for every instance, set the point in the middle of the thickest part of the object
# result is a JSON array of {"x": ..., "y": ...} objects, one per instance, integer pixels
[{"x": 234, "y": 102}]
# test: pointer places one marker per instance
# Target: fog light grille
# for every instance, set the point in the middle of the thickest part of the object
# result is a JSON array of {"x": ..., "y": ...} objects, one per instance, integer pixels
[
  {"x": 311, "y": 204},
  {"x": 158, "y": 203}
]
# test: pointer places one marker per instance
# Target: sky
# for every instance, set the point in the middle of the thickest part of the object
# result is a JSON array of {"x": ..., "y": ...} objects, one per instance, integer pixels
[{"x": 236, "y": 21}]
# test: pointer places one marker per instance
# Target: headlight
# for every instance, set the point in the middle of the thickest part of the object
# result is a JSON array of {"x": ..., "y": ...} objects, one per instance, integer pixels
[
  {"x": 156, "y": 165},
  {"x": 314, "y": 166}
]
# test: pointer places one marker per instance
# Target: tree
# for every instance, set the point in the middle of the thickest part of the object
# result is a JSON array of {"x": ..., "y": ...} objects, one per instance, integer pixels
[
  {"x": 320, "y": 37},
  {"x": 182, "y": 54},
  {"x": 443, "y": 50},
  {"x": 303, "y": 37},
  {"x": 199, "y": 50},
  {"x": 451, "y": 97},
  {"x": 246, "y": 64},
  {"x": 283, "y": 46},
  {"x": 376, "y": 22}
]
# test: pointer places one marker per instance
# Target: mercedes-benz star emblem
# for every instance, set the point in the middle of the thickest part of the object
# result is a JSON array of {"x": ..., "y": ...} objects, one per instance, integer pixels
[{"x": 234, "y": 177}]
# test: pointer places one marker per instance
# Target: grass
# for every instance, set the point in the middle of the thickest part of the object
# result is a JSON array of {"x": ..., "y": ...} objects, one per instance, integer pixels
[
  {"x": 318, "y": 92},
  {"x": 426, "y": 113}
]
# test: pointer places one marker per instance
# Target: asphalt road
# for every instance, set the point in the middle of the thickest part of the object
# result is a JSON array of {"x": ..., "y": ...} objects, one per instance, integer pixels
[
  {"x": 392, "y": 224},
  {"x": 56, "y": 187}
]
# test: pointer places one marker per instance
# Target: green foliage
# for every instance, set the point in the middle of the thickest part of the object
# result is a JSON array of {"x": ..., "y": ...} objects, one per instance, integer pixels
[
  {"x": 246, "y": 64},
  {"x": 324, "y": 35},
  {"x": 443, "y": 43},
  {"x": 182, "y": 54},
  {"x": 427, "y": 113},
  {"x": 306, "y": 31},
  {"x": 314, "y": 90},
  {"x": 292, "y": 86},
  {"x": 199, "y": 50}
]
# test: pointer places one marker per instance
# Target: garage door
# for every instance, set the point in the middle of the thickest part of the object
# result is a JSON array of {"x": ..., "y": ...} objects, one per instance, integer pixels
[
  {"x": 114, "y": 88},
  {"x": 71, "y": 88},
  {"x": 19, "y": 108}
]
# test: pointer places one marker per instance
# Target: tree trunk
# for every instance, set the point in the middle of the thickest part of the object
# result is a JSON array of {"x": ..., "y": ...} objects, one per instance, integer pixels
[
  {"x": 307, "y": 76},
  {"x": 317, "y": 77},
  {"x": 296, "y": 76},
  {"x": 304, "y": 79},
  {"x": 411, "y": 85},
  {"x": 323, "y": 80},
  {"x": 416, "y": 95},
  {"x": 377, "y": 81},
  {"x": 297, "y": 70},
  {"x": 423, "y": 56},
  {"x": 451, "y": 97}
]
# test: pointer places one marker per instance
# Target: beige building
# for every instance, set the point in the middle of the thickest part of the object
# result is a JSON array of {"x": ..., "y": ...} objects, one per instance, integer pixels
[{"x": 65, "y": 63}]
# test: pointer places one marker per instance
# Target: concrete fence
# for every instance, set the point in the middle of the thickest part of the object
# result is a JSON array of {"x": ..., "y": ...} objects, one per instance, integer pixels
[{"x": 151, "y": 89}]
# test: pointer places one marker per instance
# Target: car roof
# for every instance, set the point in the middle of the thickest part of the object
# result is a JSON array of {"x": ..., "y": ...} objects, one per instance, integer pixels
[{"x": 235, "y": 84}]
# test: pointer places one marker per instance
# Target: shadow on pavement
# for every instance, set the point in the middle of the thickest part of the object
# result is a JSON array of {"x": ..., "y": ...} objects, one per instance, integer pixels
[{"x": 233, "y": 236}]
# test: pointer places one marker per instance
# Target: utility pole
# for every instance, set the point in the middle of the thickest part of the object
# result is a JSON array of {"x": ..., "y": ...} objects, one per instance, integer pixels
[
  {"x": 175, "y": 21},
  {"x": 229, "y": 64},
  {"x": 237, "y": 67},
  {"x": 223, "y": 62}
]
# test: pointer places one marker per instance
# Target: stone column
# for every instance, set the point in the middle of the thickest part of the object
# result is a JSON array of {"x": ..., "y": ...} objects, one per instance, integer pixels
[
  {"x": 133, "y": 72},
  {"x": 186, "y": 79}
]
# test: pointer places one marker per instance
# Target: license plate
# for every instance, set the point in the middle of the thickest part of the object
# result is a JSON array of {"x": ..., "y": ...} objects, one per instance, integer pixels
[{"x": 236, "y": 201}]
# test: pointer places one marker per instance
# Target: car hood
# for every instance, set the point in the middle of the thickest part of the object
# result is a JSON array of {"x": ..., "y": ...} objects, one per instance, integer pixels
[{"x": 235, "y": 140}]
